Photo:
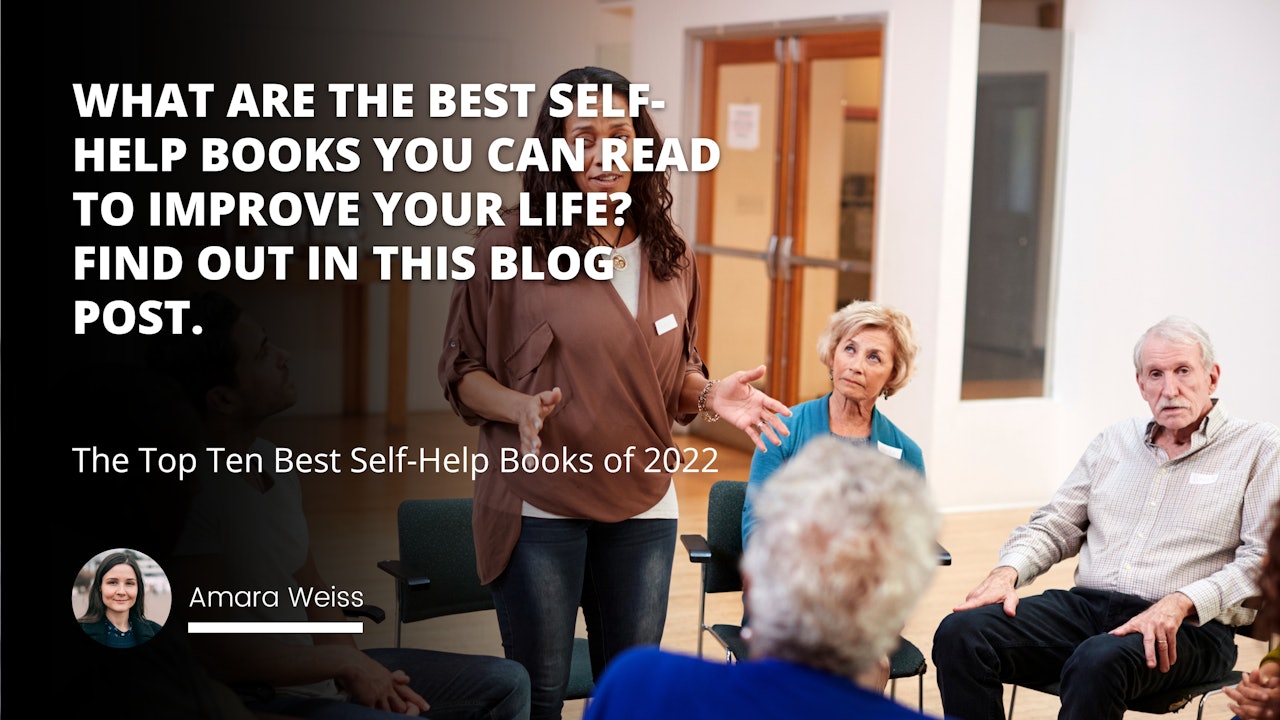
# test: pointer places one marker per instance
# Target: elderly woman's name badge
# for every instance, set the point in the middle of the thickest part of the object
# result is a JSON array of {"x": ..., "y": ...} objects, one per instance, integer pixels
[
  {"x": 666, "y": 324},
  {"x": 891, "y": 451}
]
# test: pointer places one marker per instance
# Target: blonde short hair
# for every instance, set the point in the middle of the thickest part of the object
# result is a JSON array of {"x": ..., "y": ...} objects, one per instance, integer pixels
[{"x": 861, "y": 314}]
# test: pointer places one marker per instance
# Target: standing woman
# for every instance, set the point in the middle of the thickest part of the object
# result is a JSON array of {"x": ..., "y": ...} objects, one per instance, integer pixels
[
  {"x": 116, "y": 604},
  {"x": 575, "y": 385}
]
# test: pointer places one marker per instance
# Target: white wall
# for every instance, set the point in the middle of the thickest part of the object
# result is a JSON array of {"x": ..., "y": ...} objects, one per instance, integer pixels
[
  {"x": 1168, "y": 168},
  {"x": 1170, "y": 183}
]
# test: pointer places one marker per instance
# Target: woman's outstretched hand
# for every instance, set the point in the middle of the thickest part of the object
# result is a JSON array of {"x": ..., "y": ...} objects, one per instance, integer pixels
[
  {"x": 736, "y": 400},
  {"x": 529, "y": 416}
]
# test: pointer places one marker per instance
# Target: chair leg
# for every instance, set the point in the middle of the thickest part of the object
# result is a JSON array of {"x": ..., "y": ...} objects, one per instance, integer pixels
[
  {"x": 893, "y": 691},
  {"x": 1203, "y": 698},
  {"x": 399, "y": 612},
  {"x": 702, "y": 609},
  {"x": 1012, "y": 697}
]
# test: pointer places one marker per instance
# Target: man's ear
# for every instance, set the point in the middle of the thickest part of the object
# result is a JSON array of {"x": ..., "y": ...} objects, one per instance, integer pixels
[
  {"x": 1215, "y": 372},
  {"x": 221, "y": 399}
]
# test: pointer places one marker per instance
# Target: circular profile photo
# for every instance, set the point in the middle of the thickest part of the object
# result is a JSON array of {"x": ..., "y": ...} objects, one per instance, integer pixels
[{"x": 121, "y": 598}]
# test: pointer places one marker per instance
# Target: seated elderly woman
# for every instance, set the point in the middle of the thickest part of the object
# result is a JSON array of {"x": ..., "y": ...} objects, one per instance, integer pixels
[
  {"x": 843, "y": 547},
  {"x": 870, "y": 350}
]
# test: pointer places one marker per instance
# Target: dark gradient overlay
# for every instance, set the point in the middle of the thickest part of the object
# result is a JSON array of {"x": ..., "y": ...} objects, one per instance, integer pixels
[{"x": 91, "y": 389}]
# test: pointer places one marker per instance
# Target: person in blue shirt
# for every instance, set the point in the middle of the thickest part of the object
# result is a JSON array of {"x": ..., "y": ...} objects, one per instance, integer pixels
[
  {"x": 870, "y": 349},
  {"x": 843, "y": 548}
]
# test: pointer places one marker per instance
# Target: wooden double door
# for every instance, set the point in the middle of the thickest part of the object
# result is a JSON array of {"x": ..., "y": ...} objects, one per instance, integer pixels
[{"x": 786, "y": 221}]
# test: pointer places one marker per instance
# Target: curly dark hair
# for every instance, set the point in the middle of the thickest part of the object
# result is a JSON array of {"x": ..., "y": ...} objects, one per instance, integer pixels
[
  {"x": 1268, "y": 620},
  {"x": 650, "y": 210}
]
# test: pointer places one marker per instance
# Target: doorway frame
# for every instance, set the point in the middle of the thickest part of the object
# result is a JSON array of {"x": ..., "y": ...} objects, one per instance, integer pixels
[{"x": 784, "y": 251}]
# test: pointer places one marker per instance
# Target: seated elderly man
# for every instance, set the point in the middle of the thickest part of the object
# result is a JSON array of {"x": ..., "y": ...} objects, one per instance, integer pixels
[
  {"x": 843, "y": 547},
  {"x": 1170, "y": 517}
]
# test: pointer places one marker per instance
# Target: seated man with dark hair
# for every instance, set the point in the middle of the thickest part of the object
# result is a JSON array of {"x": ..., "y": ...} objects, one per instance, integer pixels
[
  {"x": 842, "y": 549},
  {"x": 247, "y": 532}
]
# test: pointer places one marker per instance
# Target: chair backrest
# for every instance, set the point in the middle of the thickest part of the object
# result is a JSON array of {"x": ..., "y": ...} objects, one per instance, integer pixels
[
  {"x": 435, "y": 538},
  {"x": 724, "y": 535}
]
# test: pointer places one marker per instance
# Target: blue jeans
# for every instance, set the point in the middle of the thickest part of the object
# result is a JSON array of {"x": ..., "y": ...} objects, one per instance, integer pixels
[
  {"x": 619, "y": 573},
  {"x": 457, "y": 687},
  {"x": 1062, "y": 636}
]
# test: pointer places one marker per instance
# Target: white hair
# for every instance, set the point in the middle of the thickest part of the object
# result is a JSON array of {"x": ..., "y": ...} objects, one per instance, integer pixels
[
  {"x": 843, "y": 548},
  {"x": 1176, "y": 329}
]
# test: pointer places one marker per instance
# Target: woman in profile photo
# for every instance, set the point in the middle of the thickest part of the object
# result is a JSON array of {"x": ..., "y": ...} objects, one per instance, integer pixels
[{"x": 115, "y": 616}]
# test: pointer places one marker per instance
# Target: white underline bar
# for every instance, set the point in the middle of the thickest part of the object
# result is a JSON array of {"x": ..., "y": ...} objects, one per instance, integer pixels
[{"x": 259, "y": 628}]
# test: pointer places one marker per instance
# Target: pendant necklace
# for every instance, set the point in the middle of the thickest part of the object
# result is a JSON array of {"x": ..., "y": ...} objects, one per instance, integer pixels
[{"x": 619, "y": 262}]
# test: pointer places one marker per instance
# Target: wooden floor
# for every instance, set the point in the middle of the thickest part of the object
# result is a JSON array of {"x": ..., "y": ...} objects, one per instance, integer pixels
[{"x": 353, "y": 526}]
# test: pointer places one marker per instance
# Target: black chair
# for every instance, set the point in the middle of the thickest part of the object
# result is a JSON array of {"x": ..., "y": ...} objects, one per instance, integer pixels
[
  {"x": 1167, "y": 701},
  {"x": 435, "y": 574},
  {"x": 368, "y": 612},
  {"x": 719, "y": 554}
]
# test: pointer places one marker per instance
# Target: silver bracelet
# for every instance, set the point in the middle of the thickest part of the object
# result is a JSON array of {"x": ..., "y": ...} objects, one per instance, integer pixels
[{"x": 707, "y": 416}]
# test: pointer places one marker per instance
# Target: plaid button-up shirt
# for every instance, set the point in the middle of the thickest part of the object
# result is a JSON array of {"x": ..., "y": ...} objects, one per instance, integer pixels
[{"x": 1149, "y": 526}]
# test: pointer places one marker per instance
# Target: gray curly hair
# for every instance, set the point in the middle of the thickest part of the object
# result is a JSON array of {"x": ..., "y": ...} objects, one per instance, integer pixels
[{"x": 843, "y": 548}]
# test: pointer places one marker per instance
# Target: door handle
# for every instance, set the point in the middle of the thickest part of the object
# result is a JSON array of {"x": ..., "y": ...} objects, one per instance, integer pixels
[{"x": 784, "y": 258}]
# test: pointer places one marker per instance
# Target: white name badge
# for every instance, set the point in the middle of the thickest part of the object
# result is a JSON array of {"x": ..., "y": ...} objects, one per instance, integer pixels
[
  {"x": 1203, "y": 478},
  {"x": 666, "y": 324},
  {"x": 893, "y": 452}
]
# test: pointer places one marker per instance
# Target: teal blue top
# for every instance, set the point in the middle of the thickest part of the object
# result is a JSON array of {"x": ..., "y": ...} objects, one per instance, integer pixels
[{"x": 809, "y": 420}]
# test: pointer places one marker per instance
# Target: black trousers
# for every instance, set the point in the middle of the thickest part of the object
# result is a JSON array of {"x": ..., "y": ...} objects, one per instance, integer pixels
[{"x": 1062, "y": 636}]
